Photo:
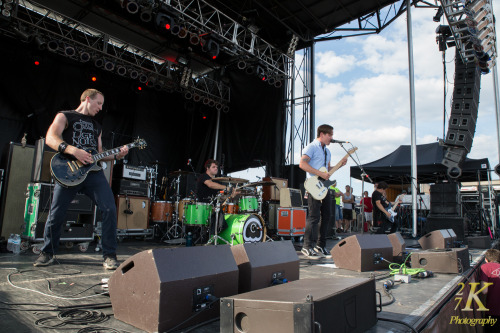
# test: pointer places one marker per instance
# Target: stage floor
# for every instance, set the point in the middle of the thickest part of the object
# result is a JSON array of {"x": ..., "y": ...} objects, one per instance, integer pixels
[{"x": 78, "y": 273}]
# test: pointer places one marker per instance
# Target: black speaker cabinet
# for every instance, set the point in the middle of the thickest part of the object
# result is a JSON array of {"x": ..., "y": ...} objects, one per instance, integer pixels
[
  {"x": 18, "y": 175},
  {"x": 438, "y": 239},
  {"x": 42, "y": 156},
  {"x": 362, "y": 253},
  {"x": 446, "y": 222},
  {"x": 331, "y": 305},
  {"x": 290, "y": 197},
  {"x": 262, "y": 265},
  {"x": 442, "y": 261},
  {"x": 156, "y": 290},
  {"x": 133, "y": 212},
  {"x": 478, "y": 242}
]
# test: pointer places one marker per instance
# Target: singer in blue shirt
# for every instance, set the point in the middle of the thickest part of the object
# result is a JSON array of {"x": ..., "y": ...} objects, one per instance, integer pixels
[{"x": 314, "y": 156}]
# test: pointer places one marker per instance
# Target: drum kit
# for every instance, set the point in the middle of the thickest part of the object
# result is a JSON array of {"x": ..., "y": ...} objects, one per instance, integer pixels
[{"x": 227, "y": 219}]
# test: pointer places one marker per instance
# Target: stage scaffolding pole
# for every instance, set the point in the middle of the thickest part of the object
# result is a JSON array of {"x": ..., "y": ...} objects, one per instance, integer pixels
[
  {"x": 413, "y": 119},
  {"x": 216, "y": 135}
]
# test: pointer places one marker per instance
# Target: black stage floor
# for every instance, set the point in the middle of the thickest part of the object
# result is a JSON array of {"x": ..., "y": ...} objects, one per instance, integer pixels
[{"x": 78, "y": 274}]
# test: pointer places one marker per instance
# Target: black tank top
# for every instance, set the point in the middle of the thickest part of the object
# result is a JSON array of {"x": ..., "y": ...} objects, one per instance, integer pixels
[{"x": 82, "y": 131}]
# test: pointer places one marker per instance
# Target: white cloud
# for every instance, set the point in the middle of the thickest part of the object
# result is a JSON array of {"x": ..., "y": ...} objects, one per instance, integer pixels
[{"x": 332, "y": 65}]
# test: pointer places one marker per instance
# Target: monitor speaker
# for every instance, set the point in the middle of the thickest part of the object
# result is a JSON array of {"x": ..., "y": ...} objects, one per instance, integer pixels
[
  {"x": 262, "y": 265},
  {"x": 18, "y": 175},
  {"x": 398, "y": 246},
  {"x": 157, "y": 290},
  {"x": 363, "y": 253},
  {"x": 438, "y": 239},
  {"x": 334, "y": 305},
  {"x": 442, "y": 261}
]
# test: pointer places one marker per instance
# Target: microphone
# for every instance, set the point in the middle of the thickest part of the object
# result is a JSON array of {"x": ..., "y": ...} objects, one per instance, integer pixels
[
  {"x": 338, "y": 141},
  {"x": 189, "y": 162}
]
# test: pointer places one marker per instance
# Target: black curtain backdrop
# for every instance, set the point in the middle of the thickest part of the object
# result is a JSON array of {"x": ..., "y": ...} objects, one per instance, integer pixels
[{"x": 173, "y": 127}]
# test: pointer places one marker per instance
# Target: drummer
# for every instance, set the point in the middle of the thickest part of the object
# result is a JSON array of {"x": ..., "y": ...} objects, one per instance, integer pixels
[{"x": 206, "y": 188}]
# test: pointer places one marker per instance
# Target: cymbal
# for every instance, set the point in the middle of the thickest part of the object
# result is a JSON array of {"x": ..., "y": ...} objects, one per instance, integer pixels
[
  {"x": 178, "y": 173},
  {"x": 261, "y": 183},
  {"x": 230, "y": 180}
]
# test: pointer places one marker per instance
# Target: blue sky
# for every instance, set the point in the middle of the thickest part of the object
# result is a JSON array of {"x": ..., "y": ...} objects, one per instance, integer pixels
[{"x": 362, "y": 89}]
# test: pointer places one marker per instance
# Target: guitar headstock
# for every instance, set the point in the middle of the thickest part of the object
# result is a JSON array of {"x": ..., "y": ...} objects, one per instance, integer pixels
[
  {"x": 352, "y": 150},
  {"x": 140, "y": 143}
]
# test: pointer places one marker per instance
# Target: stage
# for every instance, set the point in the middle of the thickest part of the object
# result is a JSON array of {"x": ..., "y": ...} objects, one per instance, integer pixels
[{"x": 80, "y": 274}]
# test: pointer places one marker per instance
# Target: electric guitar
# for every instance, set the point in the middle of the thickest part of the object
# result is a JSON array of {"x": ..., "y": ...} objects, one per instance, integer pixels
[
  {"x": 68, "y": 171},
  {"x": 391, "y": 209},
  {"x": 318, "y": 187}
]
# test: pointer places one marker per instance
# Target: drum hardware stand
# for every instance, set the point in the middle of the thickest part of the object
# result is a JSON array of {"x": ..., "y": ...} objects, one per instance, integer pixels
[{"x": 216, "y": 237}]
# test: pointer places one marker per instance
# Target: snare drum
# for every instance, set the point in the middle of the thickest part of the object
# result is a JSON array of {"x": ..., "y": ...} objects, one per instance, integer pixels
[
  {"x": 248, "y": 204},
  {"x": 197, "y": 214},
  {"x": 230, "y": 208},
  {"x": 161, "y": 211}
]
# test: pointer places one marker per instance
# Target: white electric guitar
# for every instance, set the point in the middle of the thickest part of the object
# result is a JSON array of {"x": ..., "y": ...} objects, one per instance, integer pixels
[
  {"x": 391, "y": 209},
  {"x": 318, "y": 187}
]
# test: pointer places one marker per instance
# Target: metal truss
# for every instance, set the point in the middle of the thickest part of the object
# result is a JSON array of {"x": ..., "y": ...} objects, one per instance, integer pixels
[
  {"x": 240, "y": 41},
  {"x": 48, "y": 26},
  {"x": 372, "y": 23},
  {"x": 298, "y": 108}
]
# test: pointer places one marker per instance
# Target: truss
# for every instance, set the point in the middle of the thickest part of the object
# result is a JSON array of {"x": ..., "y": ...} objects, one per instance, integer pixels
[
  {"x": 240, "y": 41},
  {"x": 47, "y": 25}
]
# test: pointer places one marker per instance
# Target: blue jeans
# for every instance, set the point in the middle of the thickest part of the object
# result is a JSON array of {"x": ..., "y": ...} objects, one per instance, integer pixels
[
  {"x": 96, "y": 187},
  {"x": 338, "y": 213},
  {"x": 317, "y": 222}
]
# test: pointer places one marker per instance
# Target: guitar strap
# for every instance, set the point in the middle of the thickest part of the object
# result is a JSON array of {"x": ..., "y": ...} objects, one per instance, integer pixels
[{"x": 324, "y": 150}]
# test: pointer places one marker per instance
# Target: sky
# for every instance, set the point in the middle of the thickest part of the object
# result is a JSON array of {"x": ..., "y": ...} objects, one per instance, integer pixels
[{"x": 362, "y": 90}]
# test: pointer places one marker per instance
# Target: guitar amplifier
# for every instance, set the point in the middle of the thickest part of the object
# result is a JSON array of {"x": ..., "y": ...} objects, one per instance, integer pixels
[
  {"x": 270, "y": 192},
  {"x": 290, "y": 197},
  {"x": 130, "y": 187},
  {"x": 129, "y": 171}
]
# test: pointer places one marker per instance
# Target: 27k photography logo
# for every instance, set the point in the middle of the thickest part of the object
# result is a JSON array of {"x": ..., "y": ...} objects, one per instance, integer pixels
[{"x": 472, "y": 298}]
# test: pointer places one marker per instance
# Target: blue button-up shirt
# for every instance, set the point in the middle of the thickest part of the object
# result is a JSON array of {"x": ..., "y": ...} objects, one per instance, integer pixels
[{"x": 317, "y": 154}]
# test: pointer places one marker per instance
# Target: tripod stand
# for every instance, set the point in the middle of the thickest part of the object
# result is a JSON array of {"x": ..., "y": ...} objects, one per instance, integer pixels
[{"x": 214, "y": 239}]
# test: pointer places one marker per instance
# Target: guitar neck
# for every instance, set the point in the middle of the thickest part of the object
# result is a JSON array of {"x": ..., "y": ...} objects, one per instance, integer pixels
[
  {"x": 111, "y": 152},
  {"x": 339, "y": 164}
]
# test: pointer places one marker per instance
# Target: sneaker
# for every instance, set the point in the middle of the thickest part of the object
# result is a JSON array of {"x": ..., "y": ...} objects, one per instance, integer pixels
[
  {"x": 309, "y": 253},
  {"x": 44, "y": 259},
  {"x": 110, "y": 262},
  {"x": 322, "y": 251}
]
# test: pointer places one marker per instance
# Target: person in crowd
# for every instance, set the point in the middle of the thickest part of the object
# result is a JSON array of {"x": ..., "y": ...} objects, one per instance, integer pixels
[{"x": 490, "y": 273}]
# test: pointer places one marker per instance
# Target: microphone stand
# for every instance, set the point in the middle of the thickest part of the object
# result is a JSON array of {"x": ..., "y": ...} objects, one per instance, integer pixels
[{"x": 363, "y": 175}]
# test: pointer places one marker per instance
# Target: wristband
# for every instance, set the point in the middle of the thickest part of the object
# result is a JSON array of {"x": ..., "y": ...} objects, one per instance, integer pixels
[{"x": 62, "y": 147}]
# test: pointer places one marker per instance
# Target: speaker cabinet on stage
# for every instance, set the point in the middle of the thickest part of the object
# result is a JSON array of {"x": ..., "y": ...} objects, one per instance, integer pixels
[
  {"x": 273, "y": 215},
  {"x": 40, "y": 172},
  {"x": 272, "y": 192},
  {"x": 262, "y": 265},
  {"x": 133, "y": 212},
  {"x": 18, "y": 175},
  {"x": 478, "y": 242},
  {"x": 442, "y": 261},
  {"x": 398, "y": 246},
  {"x": 156, "y": 290},
  {"x": 336, "y": 305},
  {"x": 438, "y": 239},
  {"x": 362, "y": 252},
  {"x": 290, "y": 197},
  {"x": 446, "y": 222},
  {"x": 445, "y": 200}
]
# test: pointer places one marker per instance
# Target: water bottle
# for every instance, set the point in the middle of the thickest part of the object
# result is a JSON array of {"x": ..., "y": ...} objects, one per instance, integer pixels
[
  {"x": 16, "y": 244},
  {"x": 9, "y": 242},
  {"x": 189, "y": 239}
]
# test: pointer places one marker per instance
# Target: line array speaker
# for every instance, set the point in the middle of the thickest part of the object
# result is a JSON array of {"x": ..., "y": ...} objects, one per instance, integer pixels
[{"x": 156, "y": 290}]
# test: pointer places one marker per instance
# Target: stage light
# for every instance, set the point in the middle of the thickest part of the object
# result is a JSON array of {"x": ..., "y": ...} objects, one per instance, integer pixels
[
  {"x": 438, "y": 15},
  {"x": 53, "y": 45},
  {"x": 212, "y": 48},
  {"x": 143, "y": 78},
  {"x": 225, "y": 109},
  {"x": 196, "y": 97},
  {"x": 278, "y": 83},
  {"x": 218, "y": 106},
  {"x": 242, "y": 64},
  {"x": 194, "y": 39},
  {"x": 176, "y": 29},
  {"x": 121, "y": 70},
  {"x": 130, "y": 5},
  {"x": 40, "y": 42},
  {"x": 211, "y": 103},
  {"x": 36, "y": 63},
  {"x": 93, "y": 78},
  {"x": 206, "y": 100},
  {"x": 261, "y": 74},
  {"x": 497, "y": 169},
  {"x": 22, "y": 34},
  {"x": 182, "y": 33},
  {"x": 146, "y": 14},
  {"x": 99, "y": 62},
  {"x": 139, "y": 88},
  {"x": 476, "y": 5},
  {"x": 69, "y": 50},
  {"x": 454, "y": 172},
  {"x": 293, "y": 45},
  {"x": 250, "y": 70},
  {"x": 85, "y": 56},
  {"x": 164, "y": 21},
  {"x": 134, "y": 74},
  {"x": 188, "y": 95}
]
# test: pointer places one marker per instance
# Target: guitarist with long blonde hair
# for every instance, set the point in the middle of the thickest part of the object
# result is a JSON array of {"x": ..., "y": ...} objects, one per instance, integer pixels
[
  {"x": 315, "y": 156},
  {"x": 73, "y": 133}
]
